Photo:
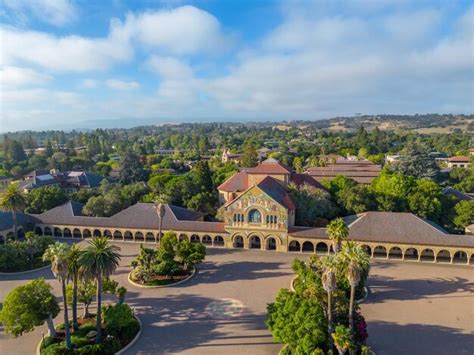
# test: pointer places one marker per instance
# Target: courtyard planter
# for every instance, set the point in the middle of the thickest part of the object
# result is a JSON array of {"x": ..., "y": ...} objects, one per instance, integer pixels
[
  {"x": 163, "y": 281},
  {"x": 90, "y": 337}
]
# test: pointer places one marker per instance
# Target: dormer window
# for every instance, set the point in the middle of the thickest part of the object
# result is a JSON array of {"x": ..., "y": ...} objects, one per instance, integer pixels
[{"x": 254, "y": 216}]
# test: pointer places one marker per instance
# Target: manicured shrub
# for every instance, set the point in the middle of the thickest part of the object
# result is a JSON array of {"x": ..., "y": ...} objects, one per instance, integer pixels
[{"x": 121, "y": 323}]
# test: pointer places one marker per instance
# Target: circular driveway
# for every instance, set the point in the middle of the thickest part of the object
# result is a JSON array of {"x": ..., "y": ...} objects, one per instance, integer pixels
[{"x": 413, "y": 308}]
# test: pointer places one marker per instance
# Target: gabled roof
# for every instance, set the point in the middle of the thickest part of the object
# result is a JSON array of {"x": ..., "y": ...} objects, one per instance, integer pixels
[
  {"x": 460, "y": 159},
  {"x": 273, "y": 189},
  {"x": 301, "y": 179},
  {"x": 6, "y": 219},
  {"x": 270, "y": 166},
  {"x": 237, "y": 182},
  {"x": 140, "y": 215}
]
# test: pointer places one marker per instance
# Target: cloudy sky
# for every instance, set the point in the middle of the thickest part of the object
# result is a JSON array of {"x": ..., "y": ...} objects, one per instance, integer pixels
[{"x": 67, "y": 63}]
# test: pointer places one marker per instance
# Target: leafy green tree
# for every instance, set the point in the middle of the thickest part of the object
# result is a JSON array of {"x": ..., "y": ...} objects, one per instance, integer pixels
[
  {"x": 28, "y": 306},
  {"x": 16, "y": 151},
  {"x": 392, "y": 191},
  {"x": 356, "y": 199},
  {"x": 57, "y": 253},
  {"x": 298, "y": 164},
  {"x": 297, "y": 321},
  {"x": 131, "y": 169},
  {"x": 45, "y": 198},
  {"x": 417, "y": 163},
  {"x": 464, "y": 213},
  {"x": 425, "y": 200},
  {"x": 13, "y": 200},
  {"x": 100, "y": 259},
  {"x": 86, "y": 291},
  {"x": 249, "y": 156},
  {"x": 313, "y": 206},
  {"x": 190, "y": 254},
  {"x": 202, "y": 176},
  {"x": 339, "y": 183},
  {"x": 203, "y": 202}
]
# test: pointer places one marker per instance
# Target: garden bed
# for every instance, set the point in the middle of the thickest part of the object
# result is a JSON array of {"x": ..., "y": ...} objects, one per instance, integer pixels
[
  {"x": 164, "y": 281},
  {"x": 83, "y": 339}
]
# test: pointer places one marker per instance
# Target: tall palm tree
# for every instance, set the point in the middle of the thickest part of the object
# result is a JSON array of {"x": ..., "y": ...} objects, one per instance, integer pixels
[
  {"x": 328, "y": 279},
  {"x": 74, "y": 267},
  {"x": 338, "y": 232},
  {"x": 13, "y": 200},
  {"x": 342, "y": 339},
  {"x": 99, "y": 260},
  {"x": 57, "y": 253},
  {"x": 160, "y": 210},
  {"x": 357, "y": 261}
]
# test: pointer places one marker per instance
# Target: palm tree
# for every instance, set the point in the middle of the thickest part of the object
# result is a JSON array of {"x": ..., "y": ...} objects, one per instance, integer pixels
[
  {"x": 74, "y": 267},
  {"x": 160, "y": 210},
  {"x": 328, "y": 279},
  {"x": 13, "y": 200},
  {"x": 342, "y": 339},
  {"x": 357, "y": 261},
  {"x": 338, "y": 232},
  {"x": 57, "y": 253},
  {"x": 99, "y": 260}
]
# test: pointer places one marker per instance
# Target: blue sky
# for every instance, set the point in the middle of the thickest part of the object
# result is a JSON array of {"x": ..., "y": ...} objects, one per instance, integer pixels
[{"x": 67, "y": 64}]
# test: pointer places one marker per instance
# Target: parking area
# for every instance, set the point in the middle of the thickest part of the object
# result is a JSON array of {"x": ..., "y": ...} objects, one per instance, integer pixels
[{"x": 412, "y": 308}]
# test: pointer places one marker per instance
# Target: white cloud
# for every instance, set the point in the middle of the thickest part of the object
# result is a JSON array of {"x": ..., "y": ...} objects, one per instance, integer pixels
[
  {"x": 169, "y": 67},
  {"x": 89, "y": 83},
  {"x": 122, "y": 85},
  {"x": 17, "y": 76},
  {"x": 184, "y": 30},
  {"x": 54, "y": 12}
]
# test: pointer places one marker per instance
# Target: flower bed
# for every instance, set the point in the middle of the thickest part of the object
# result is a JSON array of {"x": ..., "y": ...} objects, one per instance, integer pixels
[
  {"x": 161, "y": 281},
  {"x": 120, "y": 328}
]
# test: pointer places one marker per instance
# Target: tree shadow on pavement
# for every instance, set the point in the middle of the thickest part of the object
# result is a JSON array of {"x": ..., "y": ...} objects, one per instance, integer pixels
[
  {"x": 385, "y": 288},
  {"x": 391, "y": 338},
  {"x": 186, "y": 321}
]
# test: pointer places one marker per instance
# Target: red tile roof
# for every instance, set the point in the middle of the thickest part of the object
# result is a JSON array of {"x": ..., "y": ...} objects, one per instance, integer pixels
[
  {"x": 237, "y": 182},
  {"x": 270, "y": 166},
  {"x": 459, "y": 159}
]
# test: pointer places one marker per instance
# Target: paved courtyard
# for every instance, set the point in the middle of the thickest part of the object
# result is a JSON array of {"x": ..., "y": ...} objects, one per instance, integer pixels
[{"x": 412, "y": 308}]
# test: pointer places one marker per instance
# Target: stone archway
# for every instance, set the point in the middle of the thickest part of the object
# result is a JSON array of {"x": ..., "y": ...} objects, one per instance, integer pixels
[
  {"x": 67, "y": 233},
  {"x": 270, "y": 244},
  {"x": 20, "y": 233},
  {"x": 108, "y": 234},
  {"x": 367, "y": 249},
  {"x": 411, "y": 254},
  {"x": 206, "y": 239},
  {"x": 97, "y": 233},
  {"x": 38, "y": 230},
  {"x": 195, "y": 239},
  {"x": 58, "y": 232},
  {"x": 128, "y": 235},
  {"x": 139, "y": 236},
  {"x": 76, "y": 233},
  {"x": 149, "y": 237},
  {"x": 255, "y": 242},
  {"x": 47, "y": 231},
  {"x": 307, "y": 247},
  {"x": 395, "y": 253},
  {"x": 182, "y": 237},
  {"x": 118, "y": 235},
  {"x": 238, "y": 241},
  {"x": 294, "y": 246},
  {"x": 380, "y": 252},
  {"x": 86, "y": 233},
  {"x": 443, "y": 256},
  {"x": 460, "y": 257},
  {"x": 427, "y": 255},
  {"x": 321, "y": 248},
  {"x": 218, "y": 241}
]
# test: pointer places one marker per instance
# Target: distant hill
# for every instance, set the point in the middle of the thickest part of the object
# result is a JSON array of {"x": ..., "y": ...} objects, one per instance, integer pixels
[{"x": 424, "y": 123}]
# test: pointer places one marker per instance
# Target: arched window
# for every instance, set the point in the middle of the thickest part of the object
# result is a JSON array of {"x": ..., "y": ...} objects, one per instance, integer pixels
[
  {"x": 255, "y": 216},
  {"x": 275, "y": 220}
]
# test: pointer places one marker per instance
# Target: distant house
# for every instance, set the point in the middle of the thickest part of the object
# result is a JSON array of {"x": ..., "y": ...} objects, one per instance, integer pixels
[
  {"x": 459, "y": 162},
  {"x": 70, "y": 181},
  {"x": 470, "y": 229},
  {"x": 227, "y": 156},
  {"x": 471, "y": 152},
  {"x": 361, "y": 171}
]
